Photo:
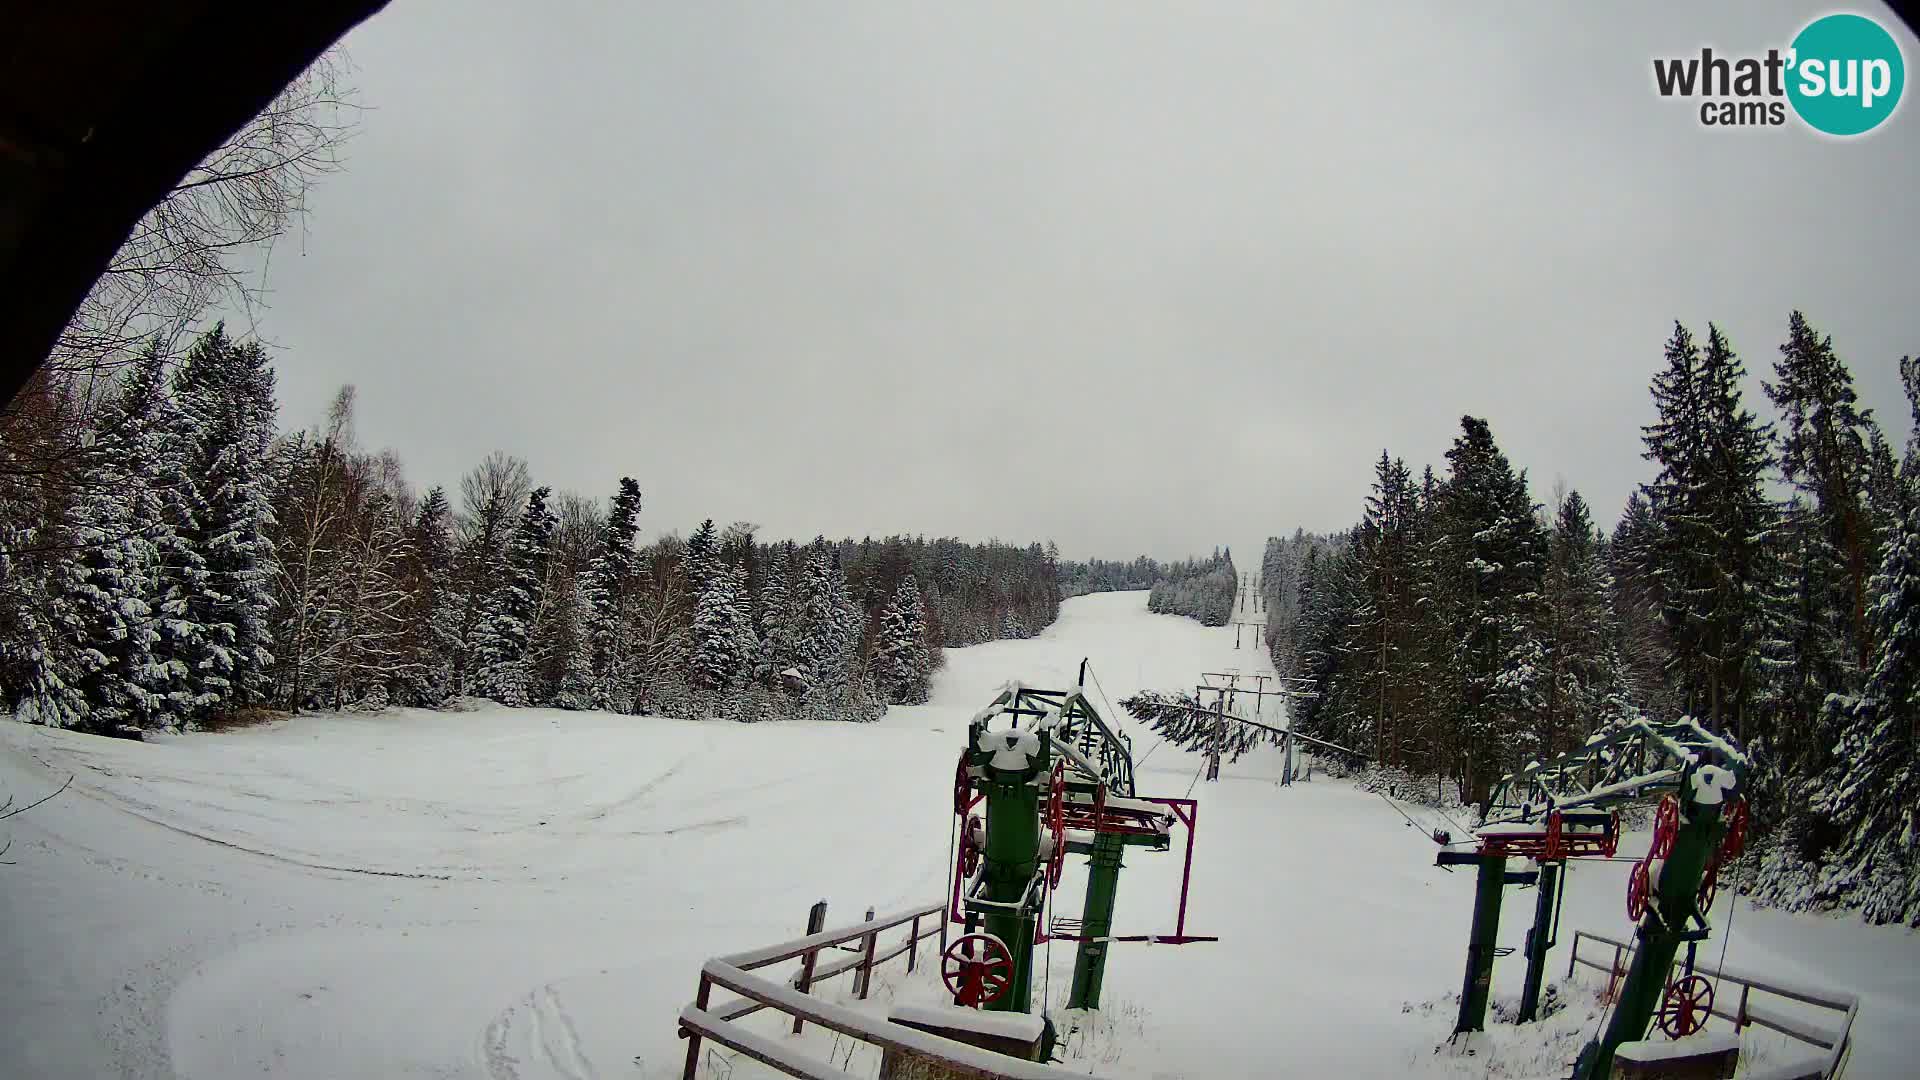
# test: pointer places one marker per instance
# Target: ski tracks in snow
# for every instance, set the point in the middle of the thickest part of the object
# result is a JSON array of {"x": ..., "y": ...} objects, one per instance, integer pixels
[
  {"x": 535, "y": 1040},
  {"x": 640, "y": 793}
]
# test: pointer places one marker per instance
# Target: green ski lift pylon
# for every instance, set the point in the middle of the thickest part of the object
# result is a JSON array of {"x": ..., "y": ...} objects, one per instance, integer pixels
[
  {"x": 1009, "y": 767},
  {"x": 1676, "y": 884},
  {"x": 1056, "y": 767},
  {"x": 1012, "y": 860},
  {"x": 1565, "y": 808}
]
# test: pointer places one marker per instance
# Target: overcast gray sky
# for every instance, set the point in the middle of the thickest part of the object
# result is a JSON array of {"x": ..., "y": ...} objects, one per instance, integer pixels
[{"x": 1137, "y": 277}]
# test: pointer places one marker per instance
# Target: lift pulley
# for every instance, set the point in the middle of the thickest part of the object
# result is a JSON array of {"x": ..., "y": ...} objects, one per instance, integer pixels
[
  {"x": 977, "y": 968},
  {"x": 1685, "y": 1007}
]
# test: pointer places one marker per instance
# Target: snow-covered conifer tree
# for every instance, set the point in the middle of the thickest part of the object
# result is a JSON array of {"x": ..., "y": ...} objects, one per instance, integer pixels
[
  {"x": 902, "y": 663},
  {"x": 776, "y": 653},
  {"x": 722, "y": 622},
  {"x": 612, "y": 580},
  {"x": 225, "y": 393},
  {"x": 1869, "y": 794},
  {"x": 504, "y": 632}
]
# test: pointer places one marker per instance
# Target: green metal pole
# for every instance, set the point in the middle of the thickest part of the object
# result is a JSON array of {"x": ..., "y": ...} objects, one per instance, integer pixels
[
  {"x": 1661, "y": 933},
  {"x": 1539, "y": 940},
  {"x": 1096, "y": 921},
  {"x": 1012, "y": 854},
  {"x": 1486, "y": 929}
]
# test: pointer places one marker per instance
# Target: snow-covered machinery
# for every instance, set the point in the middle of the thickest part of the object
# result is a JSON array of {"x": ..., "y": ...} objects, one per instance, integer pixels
[
  {"x": 1043, "y": 776},
  {"x": 1568, "y": 808}
]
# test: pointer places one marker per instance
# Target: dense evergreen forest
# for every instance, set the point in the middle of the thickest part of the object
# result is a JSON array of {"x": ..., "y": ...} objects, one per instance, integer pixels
[
  {"x": 1200, "y": 589},
  {"x": 1100, "y": 575},
  {"x": 181, "y": 562},
  {"x": 1764, "y": 580}
]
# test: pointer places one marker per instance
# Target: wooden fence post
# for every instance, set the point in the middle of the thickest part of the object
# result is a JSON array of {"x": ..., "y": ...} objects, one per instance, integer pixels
[
  {"x": 913, "y": 945},
  {"x": 866, "y": 962},
  {"x": 693, "y": 1037},
  {"x": 816, "y": 922}
]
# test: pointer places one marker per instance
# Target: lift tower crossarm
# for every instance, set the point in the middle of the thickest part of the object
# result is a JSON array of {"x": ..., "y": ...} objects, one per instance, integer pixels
[
  {"x": 1631, "y": 762},
  {"x": 1290, "y": 733}
]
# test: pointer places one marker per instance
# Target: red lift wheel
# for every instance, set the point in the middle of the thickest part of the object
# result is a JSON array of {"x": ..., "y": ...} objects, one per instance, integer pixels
[
  {"x": 1057, "y": 827},
  {"x": 1612, "y": 842},
  {"x": 1666, "y": 825},
  {"x": 1552, "y": 849},
  {"x": 969, "y": 852},
  {"x": 1709, "y": 882},
  {"x": 1686, "y": 1007},
  {"x": 962, "y": 787},
  {"x": 1639, "y": 884},
  {"x": 977, "y": 980},
  {"x": 1735, "y": 841}
]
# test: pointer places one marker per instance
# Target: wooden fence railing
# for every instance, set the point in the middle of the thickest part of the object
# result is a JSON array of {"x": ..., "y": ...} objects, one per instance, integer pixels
[
  {"x": 704, "y": 1020},
  {"x": 1836, "y": 1043}
]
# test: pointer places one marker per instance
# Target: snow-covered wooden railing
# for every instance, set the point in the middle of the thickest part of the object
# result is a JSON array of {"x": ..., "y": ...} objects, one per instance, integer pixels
[
  {"x": 703, "y": 1020},
  {"x": 1835, "y": 1043}
]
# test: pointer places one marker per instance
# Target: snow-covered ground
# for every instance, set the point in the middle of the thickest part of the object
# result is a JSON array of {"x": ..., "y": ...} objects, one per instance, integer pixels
[{"x": 528, "y": 893}]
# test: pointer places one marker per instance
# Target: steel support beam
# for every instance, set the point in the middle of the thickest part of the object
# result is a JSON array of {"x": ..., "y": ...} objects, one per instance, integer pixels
[
  {"x": 1012, "y": 855},
  {"x": 1096, "y": 921},
  {"x": 1490, "y": 883},
  {"x": 1540, "y": 939}
]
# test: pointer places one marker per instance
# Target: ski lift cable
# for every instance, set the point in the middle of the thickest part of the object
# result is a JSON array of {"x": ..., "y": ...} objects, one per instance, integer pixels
[
  {"x": 1104, "y": 699},
  {"x": 1611, "y": 976},
  {"x": 953, "y": 833},
  {"x": 1442, "y": 811},
  {"x": 1196, "y": 779},
  {"x": 1138, "y": 765},
  {"x": 1046, "y": 978},
  {"x": 1608, "y": 1007},
  {"x": 1410, "y": 821},
  {"x": 1733, "y": 907}
]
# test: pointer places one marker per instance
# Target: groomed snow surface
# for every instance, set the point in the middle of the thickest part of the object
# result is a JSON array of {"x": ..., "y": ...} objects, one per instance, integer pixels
[{"x": 530, "y": 894}]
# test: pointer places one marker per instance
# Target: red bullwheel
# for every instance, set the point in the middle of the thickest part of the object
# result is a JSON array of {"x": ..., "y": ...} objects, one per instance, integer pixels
[
  {"x": 1612, "y": 843},
  {"x": 1685, "y": 1009},
  {"x": 1553, "y": 848},
  {"x": 977, "y": 969},
  {"x": 1666, "y": 826},
  {"x": 962, "y": 787},
  {"x": 1639, "y": 884},
  {"x": 1735, "y": 841},
  {"x": 1709, "y": 882}
]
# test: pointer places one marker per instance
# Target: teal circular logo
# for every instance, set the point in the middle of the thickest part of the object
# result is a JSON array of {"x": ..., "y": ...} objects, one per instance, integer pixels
[{"x": 1845, "y": 74}]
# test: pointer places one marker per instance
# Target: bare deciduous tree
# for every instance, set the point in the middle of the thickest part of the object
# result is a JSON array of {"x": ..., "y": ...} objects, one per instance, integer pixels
[
  {"x": 209, "y": 240},
  {"x": 341, "y": 573}
]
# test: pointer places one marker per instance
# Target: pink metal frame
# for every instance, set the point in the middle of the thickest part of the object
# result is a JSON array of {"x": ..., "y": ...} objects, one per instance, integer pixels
[
  {"x": 954, "y": 914},
  {"x": 1188, "y": 813}
]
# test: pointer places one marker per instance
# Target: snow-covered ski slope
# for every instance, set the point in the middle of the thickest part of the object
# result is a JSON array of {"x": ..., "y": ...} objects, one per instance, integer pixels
[{"x": 529, "y": 894}]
